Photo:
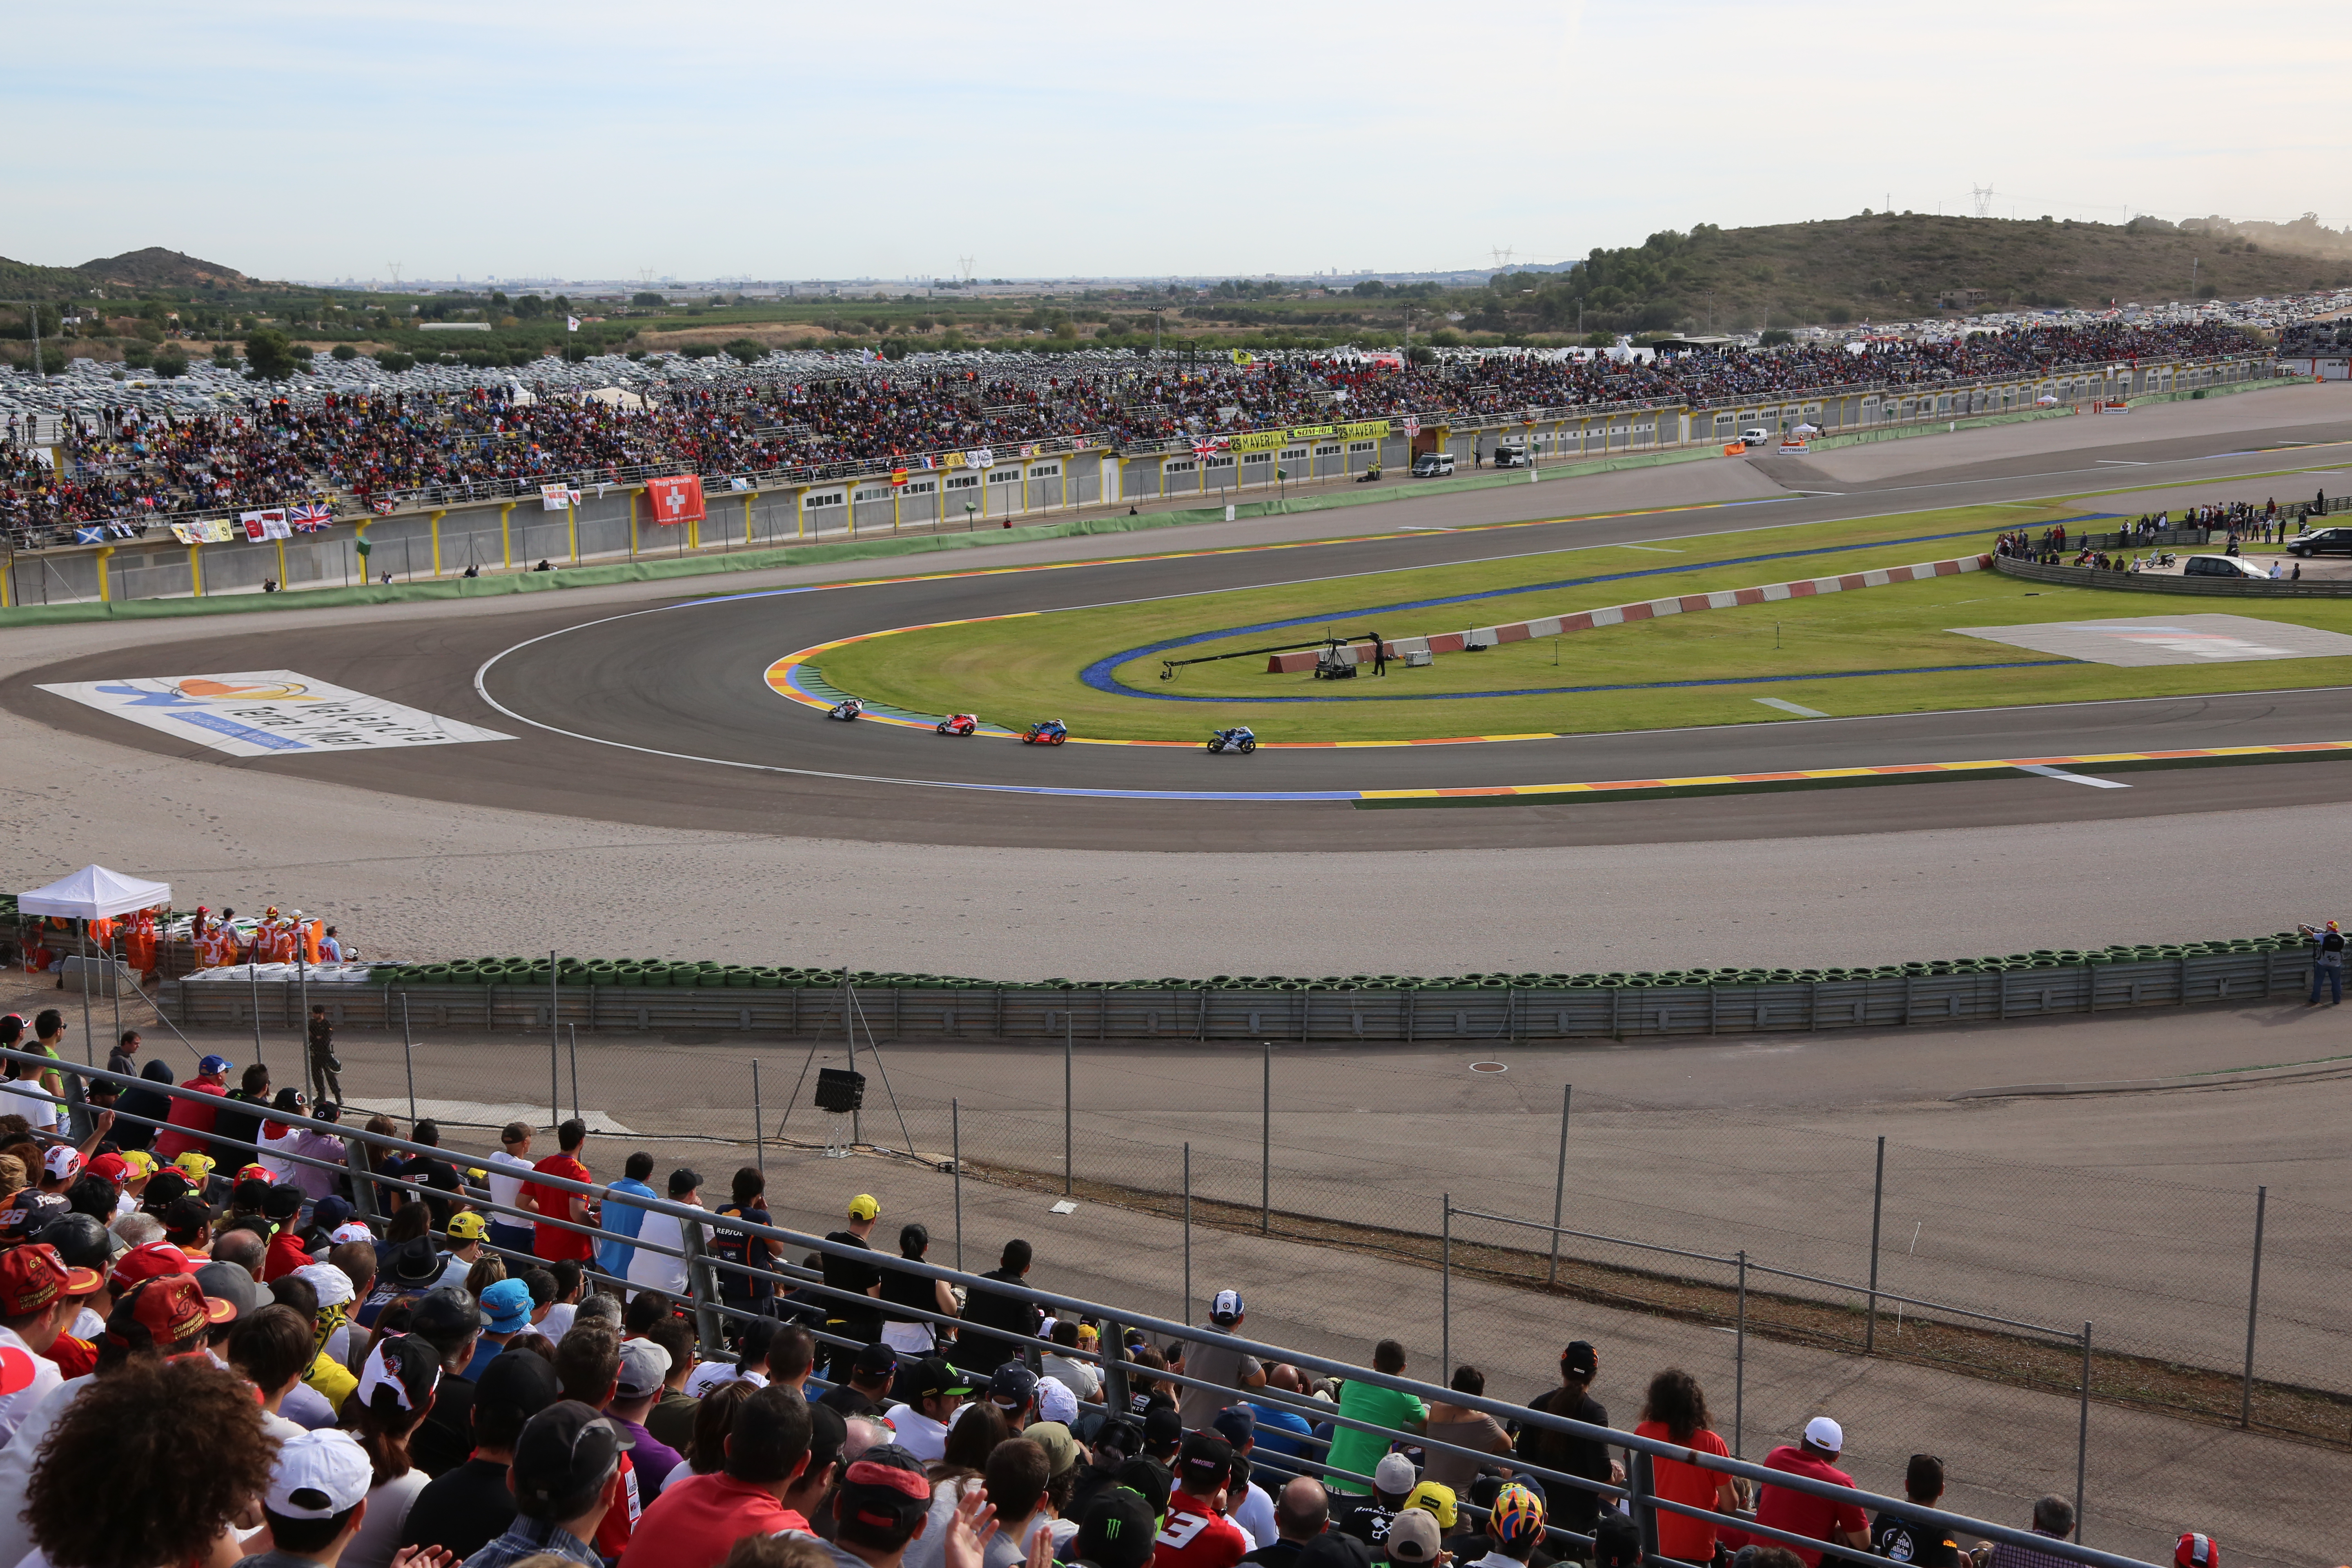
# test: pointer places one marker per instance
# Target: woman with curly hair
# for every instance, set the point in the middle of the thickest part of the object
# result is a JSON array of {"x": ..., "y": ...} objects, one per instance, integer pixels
[
  {"x": 192, "y": 1471},
  {"x": 1675, "y": 1412}
]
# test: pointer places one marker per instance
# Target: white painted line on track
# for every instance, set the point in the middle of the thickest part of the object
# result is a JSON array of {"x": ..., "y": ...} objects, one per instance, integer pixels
[
  {"x": 1792, "y": 708},
  {"x": 2121, "y": 462},
  {"x": 1658, "y": 549},
  {"x": 2064, "y": 777}
]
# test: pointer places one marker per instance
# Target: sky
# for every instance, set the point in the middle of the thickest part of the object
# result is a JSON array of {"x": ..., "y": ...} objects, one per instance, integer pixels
[{"x": 704, "y": 139}]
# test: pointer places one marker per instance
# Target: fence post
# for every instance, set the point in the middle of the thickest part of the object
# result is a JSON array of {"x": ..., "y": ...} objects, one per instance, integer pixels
[
  {"x": 1265, "y": 1147},
  {"x": 573, "y": 1034},
  {"x": 363, "y": 1189},
  {"x": 1114, "y": 1354},
  {"x": 555, "y": 1037},
  {"x": 2082, "y": 1436},
  {"x": 1188, "y": 1233},
  {"x": 407, "y": 1057},
  {"x": 699, "y": 1287},
  {"x": 554, "y": 1077},
  {"x": 1877, "y": 1204},
  {"x": 1560, "y": 1184},
  {"x": 758, "y": 1124},
  {"x": 1445, "y": 1288},
  {"x": 2254, "y": 1306},
  {"x": 1739, "y": 1367},
  {"x": 1642, "y": 1481},
  {"x": 955, "y": 1154},
  {"x": 1069, "y": 1016}
]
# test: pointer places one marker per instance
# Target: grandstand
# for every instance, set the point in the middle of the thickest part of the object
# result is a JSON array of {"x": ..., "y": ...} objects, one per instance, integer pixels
[{"x": 358, "y": 441}]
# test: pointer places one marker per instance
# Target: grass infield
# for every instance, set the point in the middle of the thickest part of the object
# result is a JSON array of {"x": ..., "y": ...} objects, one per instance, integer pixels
[{"x": 1873, "y": 652}]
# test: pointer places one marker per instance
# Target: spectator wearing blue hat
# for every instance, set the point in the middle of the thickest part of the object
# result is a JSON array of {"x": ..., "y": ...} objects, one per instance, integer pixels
[
  {"x": 1229, "y": 1369},
  {"x": 506, "y": 1312},
  {"x": 191, "y": 1121}
]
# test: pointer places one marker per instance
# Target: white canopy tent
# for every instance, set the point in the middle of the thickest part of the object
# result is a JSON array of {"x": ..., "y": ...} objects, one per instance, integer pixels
[{"x": 94, "y": 893}]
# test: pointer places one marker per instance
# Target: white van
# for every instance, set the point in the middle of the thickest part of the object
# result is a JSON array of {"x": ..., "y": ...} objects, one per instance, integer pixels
[
  {"x": 1755, "y": 436},
  {"x": 1433, "y": 466}
]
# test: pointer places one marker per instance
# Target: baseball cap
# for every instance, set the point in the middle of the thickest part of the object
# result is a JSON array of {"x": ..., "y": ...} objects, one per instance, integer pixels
[
  {"x": 197, "y": 1168},
  {"x": 1118, "y": 1531},
  {"x": 884, "y": 1491},
  {"x": 153, "y": 1262},
  {"x": 863, "y": 1207},
  {"x": 333, "y": 1286},
  {"x": 1204, "y": 1461},
  {"x": 329, "y": 1212},
  {"x": 1517, "y": 1514},
  {"x": 1413, "y": 1537},
  {"x": 1825, "y": 1435},
  {"x": 234, "y": 1284},
  {"x": 29, "y": 1213},
  {"x": 253, "y": 1173},
  {"x": 1236, "y": 1424},
  {"x": 877, "y": 1359},
  {"x": 1162, "y": 1426},
  {"x": 114, "y": 1167},
  {"x": 170, "y": 1310},
  {"x": 467, "y": 1226},
  {"x": 140, "y": 1164},
  {"x": 445, "y": 1314},
  {"x": 1226, "y": 1307},
  {"x": 506, "y": 1307},
  {"x": 1056, "y": 1402},
  {"x": 350, "y": 1230},
  {"x": 2195, "y": 1551},
  {"x": 63, "y": 1162},
  {"x": 1580, "y": 1357},
  {"x": 81, "y": 1240},
  {"x": 1616, "y": 1543},
  {"x": 935, "y": 1376},
  {"x": 522, "y": 1382},
  {"x": 1054, "y": 1437},
  {"x": 1436, "y": 1498},
  {"x": 1393, "y": 1475},
  {"x": 214, "y": 1065},
  {"x": 566, "y": 1454},
  {"x": 33, "y": 1276},
  {"x": 318, "y": 1476},
  {"x": 644, "y": 1364},
  {"x": 1013, "y": 1385},
  {"x": 403, "y": 1366}
]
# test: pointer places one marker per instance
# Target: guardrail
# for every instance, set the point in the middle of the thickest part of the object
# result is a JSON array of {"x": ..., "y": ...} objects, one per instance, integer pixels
[
  {"x": 2165, "y": 582},
  {"x": 365, "y": 1181},
  {"x": 1290, "y": 1011}
]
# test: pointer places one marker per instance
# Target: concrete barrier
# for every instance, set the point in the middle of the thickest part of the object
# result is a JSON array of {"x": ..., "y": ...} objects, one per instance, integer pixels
[{"x": 2159, "y": 583}]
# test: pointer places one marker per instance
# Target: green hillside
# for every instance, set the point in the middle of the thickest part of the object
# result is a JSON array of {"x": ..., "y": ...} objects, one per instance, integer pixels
[{"x": 1887, "y": 265}]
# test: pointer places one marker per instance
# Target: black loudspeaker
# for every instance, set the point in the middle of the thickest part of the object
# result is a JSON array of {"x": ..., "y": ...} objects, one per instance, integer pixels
[{"x": 838, "y": 1089}]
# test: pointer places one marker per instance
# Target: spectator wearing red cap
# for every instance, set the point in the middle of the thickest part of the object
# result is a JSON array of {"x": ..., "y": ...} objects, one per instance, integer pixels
[
  {"x": 2195, "y": 1551},
  {"x": 38, "y": 1297},
  {"x": 882, "y": 1505},
  {"x": 1803, "y": 1513},
  {"x": 697, "y": 1520}
]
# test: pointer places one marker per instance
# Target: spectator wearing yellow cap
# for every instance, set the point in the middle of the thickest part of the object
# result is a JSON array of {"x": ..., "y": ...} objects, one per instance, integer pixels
[
  {"x": 464, "y": 1234},
  {"x": 860, "y": 1325}
]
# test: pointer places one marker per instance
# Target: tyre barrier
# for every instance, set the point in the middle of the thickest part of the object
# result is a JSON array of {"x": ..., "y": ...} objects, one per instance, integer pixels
[{"x": 493, "y": 995}]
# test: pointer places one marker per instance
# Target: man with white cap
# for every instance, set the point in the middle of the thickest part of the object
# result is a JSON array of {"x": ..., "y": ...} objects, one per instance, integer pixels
[
  {"x": 1803, "y": 1513},
  {"x": 317, "y": 1498},
  {"x": 1229, "y": 1369}
]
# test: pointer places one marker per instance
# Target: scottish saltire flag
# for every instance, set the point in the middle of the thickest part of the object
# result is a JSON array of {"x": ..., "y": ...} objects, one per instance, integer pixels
[{"x": 93, "y": 534}]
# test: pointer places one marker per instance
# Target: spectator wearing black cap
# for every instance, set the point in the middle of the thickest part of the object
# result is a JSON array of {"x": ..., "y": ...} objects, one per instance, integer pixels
[
  {"x": 1119, "y": 1530},
  {"x": 1196, "y": 1533},
  {"x": 1228, "y": 1368},
  {"x": 880, "y": 1507},
  {"x": 1251, "y": 1506},
  {"x": 1301, "y": 1512},
  {"x": 982, "y": 1353},
  {"x": 810, "y": 1496},
  {"x": 693, "y": 1523},
  {"x": 447, "y": 1319},
  {"x": 397, "y": 1388},
  {"x": 867, "y": 1392},
  {"x": 1118, "y": 1439},
  {"x": 565, "y": 1475},
  {"x": 1012, "y": 1389},
  {"x": 1575, "y": 1508},
  {"x": 471, "y": 1505},
  {"x": 936, "y": 1390}
]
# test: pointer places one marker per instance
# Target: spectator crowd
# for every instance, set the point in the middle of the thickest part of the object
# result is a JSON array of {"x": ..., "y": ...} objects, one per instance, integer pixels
[
  {"x": 132, "y": 464},
  {"x": 223, "y": 1341}
]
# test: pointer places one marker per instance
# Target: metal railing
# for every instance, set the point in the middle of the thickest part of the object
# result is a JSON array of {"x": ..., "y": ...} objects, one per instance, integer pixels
[{"x": 693, "y": 1221}]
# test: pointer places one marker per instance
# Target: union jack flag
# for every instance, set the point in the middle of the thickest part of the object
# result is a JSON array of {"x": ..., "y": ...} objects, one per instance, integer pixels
[
  {"x": 309, "y": 518},
  {"x": 1208, "y": 446}
]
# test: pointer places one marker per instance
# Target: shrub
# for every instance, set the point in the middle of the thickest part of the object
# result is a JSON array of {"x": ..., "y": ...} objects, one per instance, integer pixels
[
  {"x": 393, "y": 361},
  {"x": 345, "y": 351}
]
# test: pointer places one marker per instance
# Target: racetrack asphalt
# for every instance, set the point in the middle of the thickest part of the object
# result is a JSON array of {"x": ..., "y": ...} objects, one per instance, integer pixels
[{"x": 655, "y": 708}]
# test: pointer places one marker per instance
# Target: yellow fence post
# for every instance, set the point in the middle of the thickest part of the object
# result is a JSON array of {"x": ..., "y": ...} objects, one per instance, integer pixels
[
  {"x": 571, "y": 527},
  {"x": 196, "y": 570},
  {"x": 506, "y": 539},
  {"x": 103, "y": 596},
  {"x": 747, "y": 520},
  {"x": 434, "y": 522},
  {"x": 800, "y": 513}
]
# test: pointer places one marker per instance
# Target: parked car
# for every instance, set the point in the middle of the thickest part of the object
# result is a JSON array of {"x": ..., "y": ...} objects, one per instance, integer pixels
[
  {"x": 1433, "y": 466},
  {"x": 2323, "y": 542},
  {"x": 2222, "y": 566}
]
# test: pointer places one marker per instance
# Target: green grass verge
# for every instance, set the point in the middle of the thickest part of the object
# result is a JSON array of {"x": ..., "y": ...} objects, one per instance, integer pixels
[{"x": 1027, "y": 667}]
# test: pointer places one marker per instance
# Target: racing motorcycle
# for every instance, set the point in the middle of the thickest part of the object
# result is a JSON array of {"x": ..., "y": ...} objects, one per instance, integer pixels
[
  {"x": 958, "y": 724},
  {"x": 1237, "y": 738},
  {"x": 1045, "y": 732},
  {"x": 848, "y": 708}
]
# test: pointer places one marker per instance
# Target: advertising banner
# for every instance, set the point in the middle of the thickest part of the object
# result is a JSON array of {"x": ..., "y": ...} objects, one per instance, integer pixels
[
  {"x": 676, "y": 501},
  {"x": 268, "y": 713}
]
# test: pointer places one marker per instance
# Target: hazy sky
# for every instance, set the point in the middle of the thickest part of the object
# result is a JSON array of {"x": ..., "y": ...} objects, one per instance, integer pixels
[{"x": 705, "y": 139}]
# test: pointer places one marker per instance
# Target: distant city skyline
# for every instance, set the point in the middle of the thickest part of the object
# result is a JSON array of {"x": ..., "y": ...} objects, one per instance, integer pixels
[{"x": 714, "y": 139}]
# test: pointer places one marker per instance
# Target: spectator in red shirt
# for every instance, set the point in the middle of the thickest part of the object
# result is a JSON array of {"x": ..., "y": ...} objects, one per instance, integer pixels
[
  {"x": 1196, "y": 1533},
  {"x": 191, "y": 1128},
  {"x": 553, "y": 1242},
  {"x": 1675, "y": 1412},
  {"x": 699, "y": 1519},
  {"x": 282, "y": 1208},
  {"x": 1803, "y": 1513}
]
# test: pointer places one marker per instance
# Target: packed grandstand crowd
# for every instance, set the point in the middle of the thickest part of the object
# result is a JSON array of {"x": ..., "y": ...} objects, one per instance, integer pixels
[
  {"x": 135, "y": 464},
  {"x": 282, "y": 1354}
]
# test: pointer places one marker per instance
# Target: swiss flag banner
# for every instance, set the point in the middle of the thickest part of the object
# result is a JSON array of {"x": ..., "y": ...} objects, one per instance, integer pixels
[{"x": 676, "y": 501}]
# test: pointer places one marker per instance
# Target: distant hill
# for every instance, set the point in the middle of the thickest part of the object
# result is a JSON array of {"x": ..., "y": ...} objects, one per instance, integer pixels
[
  {"x": 1885, "y": 267},
  {"x": 142, "y": 270}
]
